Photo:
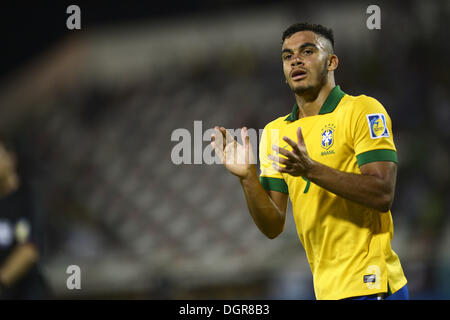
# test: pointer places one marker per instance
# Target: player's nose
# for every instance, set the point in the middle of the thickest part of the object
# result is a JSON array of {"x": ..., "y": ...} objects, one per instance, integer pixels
[{"x": 296, "y": 61}]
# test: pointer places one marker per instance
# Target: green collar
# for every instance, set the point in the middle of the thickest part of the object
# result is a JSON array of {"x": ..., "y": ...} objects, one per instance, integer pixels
[{"x": 328, "y": 106}]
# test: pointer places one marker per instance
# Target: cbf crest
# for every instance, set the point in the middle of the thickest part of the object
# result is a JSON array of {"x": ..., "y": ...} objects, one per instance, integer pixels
[{"x": 328, "y": 136}]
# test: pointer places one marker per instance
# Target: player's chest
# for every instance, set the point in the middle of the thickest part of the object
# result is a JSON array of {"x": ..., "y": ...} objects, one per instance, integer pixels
[{"x": 326, "y": 138}]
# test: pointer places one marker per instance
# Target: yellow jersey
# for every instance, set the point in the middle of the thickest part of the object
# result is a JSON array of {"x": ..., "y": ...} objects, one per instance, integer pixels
[{"x": 348, "y": 245}]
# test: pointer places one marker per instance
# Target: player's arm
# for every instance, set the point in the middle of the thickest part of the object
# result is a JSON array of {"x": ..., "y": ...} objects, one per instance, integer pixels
[
  {"x": 18, "y": 263},
  {"x": 268, "y": 209},
  {"x": 374, "y": 187}
]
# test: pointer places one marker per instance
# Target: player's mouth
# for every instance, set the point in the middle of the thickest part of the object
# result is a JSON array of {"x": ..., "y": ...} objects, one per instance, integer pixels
[{"x": 298, "y": 74}]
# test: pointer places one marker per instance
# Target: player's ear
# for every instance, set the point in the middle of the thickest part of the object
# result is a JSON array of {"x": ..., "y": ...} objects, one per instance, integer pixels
[{"x": 333, "y": 62}]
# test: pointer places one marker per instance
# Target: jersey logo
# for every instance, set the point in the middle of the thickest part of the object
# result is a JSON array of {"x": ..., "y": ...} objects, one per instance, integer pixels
[
  {"x": 370, "y": 278},
  {"x": 327, "y": 137},
  {"x": 377, "y": 125}
]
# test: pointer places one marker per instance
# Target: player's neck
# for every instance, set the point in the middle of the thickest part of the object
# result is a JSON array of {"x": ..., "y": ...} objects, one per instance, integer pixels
[{"x": 309, "y": 104}]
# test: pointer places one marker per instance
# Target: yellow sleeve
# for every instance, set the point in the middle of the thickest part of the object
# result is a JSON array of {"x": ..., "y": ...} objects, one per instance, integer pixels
[
  {"x": 270, "y": 178},
  {"x": 371, "y": 130}
]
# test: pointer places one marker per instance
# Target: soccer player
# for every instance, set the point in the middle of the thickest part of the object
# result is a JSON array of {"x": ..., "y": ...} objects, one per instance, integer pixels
[{"x": 335, "y": 158}]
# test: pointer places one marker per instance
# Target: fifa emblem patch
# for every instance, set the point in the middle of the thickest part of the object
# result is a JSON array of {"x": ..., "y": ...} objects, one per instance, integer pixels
[
  {"x": 327, "y": 140},
  {"x": 377, "y": 125}
]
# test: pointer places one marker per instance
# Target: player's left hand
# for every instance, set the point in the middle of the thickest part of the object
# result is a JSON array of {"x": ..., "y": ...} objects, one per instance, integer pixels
[{"x": 297, "y": 162}]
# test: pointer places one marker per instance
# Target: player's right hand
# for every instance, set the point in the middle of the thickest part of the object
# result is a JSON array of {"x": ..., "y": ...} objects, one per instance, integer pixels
[{"x": 237, "y": 158}]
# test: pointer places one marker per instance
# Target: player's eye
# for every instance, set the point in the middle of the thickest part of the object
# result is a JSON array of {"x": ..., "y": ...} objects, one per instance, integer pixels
[
  {"x": 307, "y": 52},
  {"x": 287, "y": 56}
]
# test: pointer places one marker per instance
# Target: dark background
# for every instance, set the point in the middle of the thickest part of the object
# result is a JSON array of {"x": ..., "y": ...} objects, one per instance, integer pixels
[{"x": 28, "y": 29}]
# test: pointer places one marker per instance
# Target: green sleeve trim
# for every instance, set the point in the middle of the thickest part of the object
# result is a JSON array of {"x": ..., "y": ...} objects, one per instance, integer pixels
[
  {"x": 376, "y": 155},
  {"x": 274, "y": 184}
]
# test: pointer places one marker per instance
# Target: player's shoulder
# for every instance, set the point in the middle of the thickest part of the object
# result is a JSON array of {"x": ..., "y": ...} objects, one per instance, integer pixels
[
  {"x": 277, "y": 123},
  {"x": 363, "y": 103}
]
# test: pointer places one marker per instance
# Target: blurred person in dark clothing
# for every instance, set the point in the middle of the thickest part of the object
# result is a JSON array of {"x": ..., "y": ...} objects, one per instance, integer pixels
[{"x": 20, "y": 277}]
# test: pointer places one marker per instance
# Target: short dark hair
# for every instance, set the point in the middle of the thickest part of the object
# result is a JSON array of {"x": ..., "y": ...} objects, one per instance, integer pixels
[{"x": 304, "y": 26}]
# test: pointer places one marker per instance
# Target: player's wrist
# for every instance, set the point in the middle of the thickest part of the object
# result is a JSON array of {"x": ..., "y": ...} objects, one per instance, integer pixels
[
  {"x": 312, "y": 170},
  {"x": 250, "y": 176}
]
